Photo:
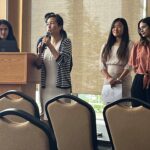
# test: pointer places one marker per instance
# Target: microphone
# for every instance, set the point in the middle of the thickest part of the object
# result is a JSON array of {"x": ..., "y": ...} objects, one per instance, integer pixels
[{"x": 48, "y": 35}]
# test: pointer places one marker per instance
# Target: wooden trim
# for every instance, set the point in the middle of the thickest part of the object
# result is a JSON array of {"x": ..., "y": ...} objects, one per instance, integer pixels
[
  {"x": 148, "y": 8},
  {"x": 20, "y": 23},
  {"x": 19, "y": 16}
]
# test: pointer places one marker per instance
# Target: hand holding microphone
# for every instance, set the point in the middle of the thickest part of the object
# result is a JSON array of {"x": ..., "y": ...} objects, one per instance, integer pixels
[{"x": 45, "y": 41}]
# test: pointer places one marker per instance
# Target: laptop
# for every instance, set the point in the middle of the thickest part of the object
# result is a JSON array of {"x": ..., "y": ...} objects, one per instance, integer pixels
[{"x": 8, "y": 46}]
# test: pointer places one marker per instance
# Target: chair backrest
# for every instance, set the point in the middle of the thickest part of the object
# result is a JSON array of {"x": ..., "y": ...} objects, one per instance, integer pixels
[
  {"x": 30, "y": 135},
  {"x": 128, "y": 127},
  {"x": 74, "y": 124},
  {"x": 21, "y": 101}
]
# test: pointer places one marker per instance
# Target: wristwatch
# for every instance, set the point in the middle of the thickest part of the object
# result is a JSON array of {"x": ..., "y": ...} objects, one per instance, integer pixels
[{"x": 119, "y": 80}]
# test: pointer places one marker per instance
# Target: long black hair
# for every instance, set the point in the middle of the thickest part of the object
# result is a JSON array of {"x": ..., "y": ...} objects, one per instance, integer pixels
[
  {"x": 143, "y": 40},
  {"x": 59, "y": 21},
  {"x": 123, "y": 51},
  {"x": 10, "y": 30}
]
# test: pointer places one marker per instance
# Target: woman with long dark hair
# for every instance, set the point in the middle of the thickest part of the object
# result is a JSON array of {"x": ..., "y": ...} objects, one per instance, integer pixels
[
  {"x": 55, "y": 55},
  {"x": 7, "y": 37},
  {"x": 115, "y": 55},
  {"x": 140, "y": 62},
  {"x": 6, "y": 31}
]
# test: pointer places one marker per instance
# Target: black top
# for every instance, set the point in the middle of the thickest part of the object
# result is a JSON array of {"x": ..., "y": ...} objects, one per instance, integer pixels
[{"x": 8, "y": 46}]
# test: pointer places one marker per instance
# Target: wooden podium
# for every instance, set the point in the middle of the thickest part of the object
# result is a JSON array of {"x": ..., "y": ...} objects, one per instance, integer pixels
[{"x": 18, "y": 72}]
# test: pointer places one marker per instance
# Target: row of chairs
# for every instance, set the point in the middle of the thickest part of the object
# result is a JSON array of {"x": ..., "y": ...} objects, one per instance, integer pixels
[
  {"x": 20, "y": 124},
  {"x": 128, "y": 127},
  {"x": 17, "y": 99},
  {"x": 32, "y": 134},
  {"x": 72, "y": 126}
]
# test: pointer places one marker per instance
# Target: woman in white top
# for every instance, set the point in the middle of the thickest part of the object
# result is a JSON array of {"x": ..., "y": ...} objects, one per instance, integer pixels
[
  {"x": 115, "y": 55},
  {"x": 55, "y": 60}
]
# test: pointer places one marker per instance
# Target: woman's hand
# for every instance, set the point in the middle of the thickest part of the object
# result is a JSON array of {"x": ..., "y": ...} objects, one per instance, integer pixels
[
  {"x": 108, "y": 77},
  {"x": 38, "y": 61},
  {"x": 40, "y": 47},
  {"x": 118, "y": 81},
  {"x": 146, "y": 81},
  {"x": 46, "y": 41},
  {"x": 111, "y": 81}
]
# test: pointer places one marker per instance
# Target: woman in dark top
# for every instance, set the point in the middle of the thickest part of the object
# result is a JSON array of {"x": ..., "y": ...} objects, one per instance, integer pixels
[
  {"x": 140, "y": 62},
  {"x": 7, "y": 35}
]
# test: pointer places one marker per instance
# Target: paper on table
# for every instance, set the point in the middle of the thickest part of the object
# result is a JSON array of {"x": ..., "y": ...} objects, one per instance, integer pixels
[{"x": 111, "y": 94}]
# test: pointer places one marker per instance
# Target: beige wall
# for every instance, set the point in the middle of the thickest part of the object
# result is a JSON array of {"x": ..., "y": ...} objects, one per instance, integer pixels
[{"x": 3, "y": 8}]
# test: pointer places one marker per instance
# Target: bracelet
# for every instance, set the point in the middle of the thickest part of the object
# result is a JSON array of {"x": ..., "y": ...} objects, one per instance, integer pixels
[{"x": 119, "y": 80}]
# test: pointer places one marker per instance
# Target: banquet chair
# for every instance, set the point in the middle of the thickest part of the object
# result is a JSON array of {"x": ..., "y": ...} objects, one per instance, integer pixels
[
  {"x": 73, "y": 124},
  {"x": 17, "y": 99},
  {"x": 127, "y": 126},
  {"x": 30, "y": 135}
]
